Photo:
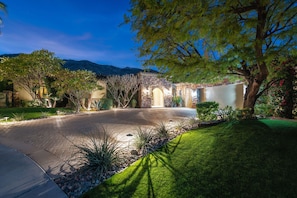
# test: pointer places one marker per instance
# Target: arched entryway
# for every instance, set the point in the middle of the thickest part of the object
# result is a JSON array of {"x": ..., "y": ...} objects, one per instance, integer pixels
[{"x": 158, "y": 98}]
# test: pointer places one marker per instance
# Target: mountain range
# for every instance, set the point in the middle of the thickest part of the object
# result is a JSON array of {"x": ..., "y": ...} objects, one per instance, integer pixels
[{"x": 100, "y": 70}]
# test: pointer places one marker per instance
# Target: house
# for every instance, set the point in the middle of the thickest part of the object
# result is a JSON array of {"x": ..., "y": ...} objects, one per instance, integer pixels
[
  {"x": 18, "y": 96},
  {"x": 155, "y": 92},
  {"x": 158, "y": 92}
]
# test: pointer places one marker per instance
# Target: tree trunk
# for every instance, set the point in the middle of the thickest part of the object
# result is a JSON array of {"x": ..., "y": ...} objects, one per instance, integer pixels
[
  {"x": 254, "y": 82},
  {"x": 77, "y": 106},
  {"x": 251, "y": 96},
  {"x": 55, "y": 103}
]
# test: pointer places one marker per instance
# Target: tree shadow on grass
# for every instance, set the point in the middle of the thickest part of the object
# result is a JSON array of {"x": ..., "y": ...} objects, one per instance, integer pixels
[
  {"x": 245, "y": 159},
  {"x": 133, "y": 180},
  {"x": 239, "y": 159}
]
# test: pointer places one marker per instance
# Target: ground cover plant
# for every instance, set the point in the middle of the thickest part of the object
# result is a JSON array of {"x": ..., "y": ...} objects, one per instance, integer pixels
[
  {"x": 28, "y": 113},
  {"x": 253, "y": 158}
]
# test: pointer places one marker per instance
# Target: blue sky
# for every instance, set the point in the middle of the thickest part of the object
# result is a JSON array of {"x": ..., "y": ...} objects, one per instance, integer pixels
[{"x": 72, "y": 29}]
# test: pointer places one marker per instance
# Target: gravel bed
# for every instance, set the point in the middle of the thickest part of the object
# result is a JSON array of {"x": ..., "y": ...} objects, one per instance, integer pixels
[{"x": 82, "y": 180}]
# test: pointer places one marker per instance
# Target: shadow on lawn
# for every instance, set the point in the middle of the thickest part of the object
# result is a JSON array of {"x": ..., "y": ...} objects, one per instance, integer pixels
[
  {"x": 237, "y": 159},
  {"x": 127, "y": 187},
  {"x": 244, "y": 159}
]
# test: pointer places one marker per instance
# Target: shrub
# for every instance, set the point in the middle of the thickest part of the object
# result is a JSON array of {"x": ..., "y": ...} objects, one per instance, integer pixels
[
  {"x": 133, "y": 103},
  {"x": 33, "y": 103},
  {"x": 264, "y": 110},
  {"x": 207, "y": 111},
  {"x": 227, "y": 113},
  {"x": 142, "y": 140},
  {"x": 244, "y": 114},
  {"x": 177, "y": 101},
  {"x": 100, "y": 153},
  {"x": 105, "y": 103},
  {"x": 18, "y": 116},
  {"x": 45, "y": 114}
]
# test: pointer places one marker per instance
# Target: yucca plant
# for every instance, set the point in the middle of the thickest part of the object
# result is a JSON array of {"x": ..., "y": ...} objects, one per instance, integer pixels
[
  {"x": 142, "y": 140},
  {"x": 162, "y": 130},
  {"x": 100, "y": 153}
]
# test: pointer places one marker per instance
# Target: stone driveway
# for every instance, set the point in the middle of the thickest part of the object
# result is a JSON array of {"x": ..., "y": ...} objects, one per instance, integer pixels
[{"x": 50, "y": 142}]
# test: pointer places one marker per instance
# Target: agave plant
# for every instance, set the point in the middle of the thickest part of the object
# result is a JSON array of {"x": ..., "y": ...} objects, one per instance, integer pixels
[{"x": 99, "y": 153}]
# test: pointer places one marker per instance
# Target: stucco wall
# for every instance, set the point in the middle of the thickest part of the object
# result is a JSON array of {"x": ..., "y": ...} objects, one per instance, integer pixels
[
  {"x": 98, "y": 94},
  {"x": 231, "y": 95},
  {"x": 23, "y": 95}
]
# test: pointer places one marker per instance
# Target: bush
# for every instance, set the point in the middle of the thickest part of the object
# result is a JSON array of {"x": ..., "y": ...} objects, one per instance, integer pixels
[
  {"x": 100, "y": 153},
  {"x": 264, "y": 110},
  {"x": 207, "y": 111},
  {"x": 133, "y": 103},
  {"x": 244, "y": 114},
  {"x": 227, "y": 113},
  {"x": 177, "y": 101},
  {"x": 105, "y": 103}
]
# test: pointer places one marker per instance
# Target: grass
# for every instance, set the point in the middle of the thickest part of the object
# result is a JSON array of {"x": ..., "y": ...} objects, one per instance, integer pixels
[
  {"x": 28, "y": 113},
  {"x": 237, "y": 159}
]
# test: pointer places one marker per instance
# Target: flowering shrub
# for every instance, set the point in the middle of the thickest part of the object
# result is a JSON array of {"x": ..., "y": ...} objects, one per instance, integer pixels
[{"x": 284, "y": 93}]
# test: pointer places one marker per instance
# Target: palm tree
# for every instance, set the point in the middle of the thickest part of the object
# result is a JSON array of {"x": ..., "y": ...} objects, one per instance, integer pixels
[{"x": 3, "y": 8}]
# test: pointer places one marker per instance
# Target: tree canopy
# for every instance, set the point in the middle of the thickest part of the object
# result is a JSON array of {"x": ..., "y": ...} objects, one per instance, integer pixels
[
  {"x": 30, "y": 71},
  {"x": 199, "y": 41},
  {"x": 75, "y": 85},
  {"x": 123, "y": 88}
]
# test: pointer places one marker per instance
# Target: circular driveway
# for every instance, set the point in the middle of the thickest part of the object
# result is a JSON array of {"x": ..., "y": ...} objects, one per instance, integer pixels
[{"x": 50, "y": 142}]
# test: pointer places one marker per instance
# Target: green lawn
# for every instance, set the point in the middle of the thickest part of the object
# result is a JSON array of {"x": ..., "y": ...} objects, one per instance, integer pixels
[
  {"x": 239, "y": 159},
  {"x": 29, "y": 112}
]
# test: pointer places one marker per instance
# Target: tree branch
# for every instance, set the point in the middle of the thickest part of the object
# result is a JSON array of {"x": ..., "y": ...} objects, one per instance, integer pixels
[
  {"x": 268, "y": 85},
  {"x": 240, "y": 10},
  {"x": 194, "y": 48}
]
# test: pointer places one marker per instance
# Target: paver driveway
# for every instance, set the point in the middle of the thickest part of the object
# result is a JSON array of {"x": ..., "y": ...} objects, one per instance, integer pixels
[{"x": 50, "y": 142}]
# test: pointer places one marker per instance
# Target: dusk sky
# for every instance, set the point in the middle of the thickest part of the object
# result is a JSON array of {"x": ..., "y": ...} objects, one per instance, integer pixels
[{"x": 72, "y": 29}]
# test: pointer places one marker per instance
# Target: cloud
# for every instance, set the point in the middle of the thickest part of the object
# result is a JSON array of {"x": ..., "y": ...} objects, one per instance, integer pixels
[
  {"x": 27, "y": 39},
  {"x": 20, "y": 38}
]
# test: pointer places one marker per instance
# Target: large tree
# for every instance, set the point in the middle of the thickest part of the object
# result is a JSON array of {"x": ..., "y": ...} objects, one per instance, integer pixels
[
  {"x": 206, "y": 40},
  {"x": 31, "y": 73},
  {"x": 76, "y": 85},
  {"x": 123, "y": 88}
]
